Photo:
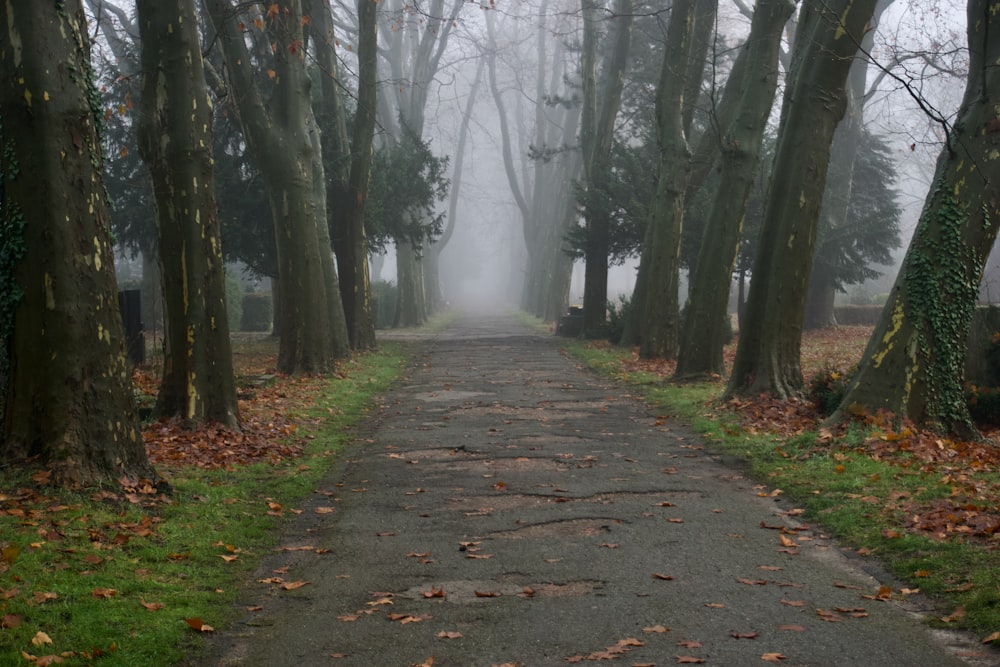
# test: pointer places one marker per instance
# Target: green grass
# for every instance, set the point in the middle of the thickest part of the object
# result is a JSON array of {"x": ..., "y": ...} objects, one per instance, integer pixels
[
  {"x": 841, "y": 488},
  {"x": 168, "y": 553}
]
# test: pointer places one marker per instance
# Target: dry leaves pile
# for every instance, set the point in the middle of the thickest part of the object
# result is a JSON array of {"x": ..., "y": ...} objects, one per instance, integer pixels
[{"x": 267, "y": 434}]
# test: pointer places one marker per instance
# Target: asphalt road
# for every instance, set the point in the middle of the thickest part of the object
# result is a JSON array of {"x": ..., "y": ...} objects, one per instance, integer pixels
[{"x": 506, "y": 507}]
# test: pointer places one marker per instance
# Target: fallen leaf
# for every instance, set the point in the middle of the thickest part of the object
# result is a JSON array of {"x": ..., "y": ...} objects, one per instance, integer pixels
[
  {"x": 689, "y": 643},
  {"x": 448, "y": 635},
  {"x": 715, "y": 605},
  {"x": 105, "y": 593},
  {"x": 151, "y": 606},
  {"x": 292, "y": 585},
  {"x": 992, "y": 638},
  {"x": 487, "y": 594},
  {"x": 689, "y": 660},
  {"x": 793, "y": 603},
  {"x": 656, "y": 629},
  {"x": 662, "y": 577},
  {"x": 434, "y": 593},
  {"x": 792, "y": 628},
  {"x": 773, "y": 657},
  {"x": 744, "y": 635},
  {"x": 41, "y": 638},
  {"x": 197, "y": 624},
  {"x": 11, "y": 620},
  {"x": 956, "y": 615}
]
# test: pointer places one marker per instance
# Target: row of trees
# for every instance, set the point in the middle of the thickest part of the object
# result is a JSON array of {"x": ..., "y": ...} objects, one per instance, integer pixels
[
  {"x": 618, "y": 116},
  {"x": 269, "y": 76},
  {"x": 914, "y": 364}
]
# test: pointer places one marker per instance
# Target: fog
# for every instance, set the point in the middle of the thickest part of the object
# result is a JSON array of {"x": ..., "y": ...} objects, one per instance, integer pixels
[
  {"x": 918, "y": 68},
  {"x": 916, "y": 83}
]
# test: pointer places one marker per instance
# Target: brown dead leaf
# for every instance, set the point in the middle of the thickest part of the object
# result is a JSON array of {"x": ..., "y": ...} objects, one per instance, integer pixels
[
  {"x": 656, "y": 629},
  {"x": 197, "y": 624},
  {"x": 793, "y": 603},
  {"x": 487, "y": 594},
  {"x": 151, "y": 606},
  {"x": 448, "y": 635},
  {"x": 792, "y": 628},
  {"x": 773, "y": 657},
  {"x": 752, "y": 582},
  {"x": 103, "y": 593},
  {"x": 744, "y": 635},
  {"x": 41, "y": 639},
  {"x": 689, "y": 660},
  {"x": 292, "y": 585},
  {"x": 11, "y": 621},
  {"x": 956, "y": 615},
  {"x": 434, "y": 593},
  {"x": 689, "y": 643},
  {"x": 715, "y": 605},
  {"x": 662, "y": 577}
]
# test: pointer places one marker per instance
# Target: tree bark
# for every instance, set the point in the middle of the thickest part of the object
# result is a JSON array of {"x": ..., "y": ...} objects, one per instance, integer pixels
[
  {"x": 409, "y": 288},
  {"x": 597, "y": 128},
  {"x": 350, "y": 164},
  {"x": 767, "y": 358},
  {"x": 704, "y": 330},
  {"x": 175, "y": 140},
  {"x": 277, "y": 136},
  {"x": 914, "y": 363},
  {"x": 659, "y": 306},
  {"x": 819, "y": 309},
  {"x": 69, "y": 398}
]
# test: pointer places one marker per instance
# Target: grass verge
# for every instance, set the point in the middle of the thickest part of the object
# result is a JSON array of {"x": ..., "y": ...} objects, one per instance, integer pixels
[
  {"x": 133, "y": 577},
  {"x": 887, "y": 507}
]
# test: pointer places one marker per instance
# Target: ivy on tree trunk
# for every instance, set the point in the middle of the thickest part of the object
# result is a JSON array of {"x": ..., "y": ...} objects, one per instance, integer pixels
[
  {"x": 914, "y": 364},
  {"x": 69, "y": 397}
]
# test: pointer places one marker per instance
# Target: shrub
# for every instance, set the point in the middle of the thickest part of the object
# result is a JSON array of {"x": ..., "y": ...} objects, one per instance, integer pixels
[
  {"x": 984, "y": 404},
  {"x": 617, "y": 317},
  {"x": 384, "y": 303},
  {"x": 827, "y": 388},
  {"x": 234, "y": 302},
  {"x": 257, "y": 312}
]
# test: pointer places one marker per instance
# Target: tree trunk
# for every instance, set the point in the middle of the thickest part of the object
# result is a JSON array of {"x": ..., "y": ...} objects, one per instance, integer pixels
[
  {"x": 705, "y": 329},
  {"x": 277, "y": 136},
  {"x": 767, "y": 358},
  {"x": 597, "y": 128},
  {"x": 347, "y": 186},
  {"x": 69, "y": 398},
  {"x": 175, "y": 140},
  {"x": 659, "y": 307},
  {"x": 834, "y": 213},
  {"x": 914, "y": 363},
  {"x": 409, "y": 287}
]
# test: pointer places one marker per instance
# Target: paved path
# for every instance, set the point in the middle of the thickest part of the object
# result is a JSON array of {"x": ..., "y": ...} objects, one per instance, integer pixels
[{"x": 509, "y": 508}]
